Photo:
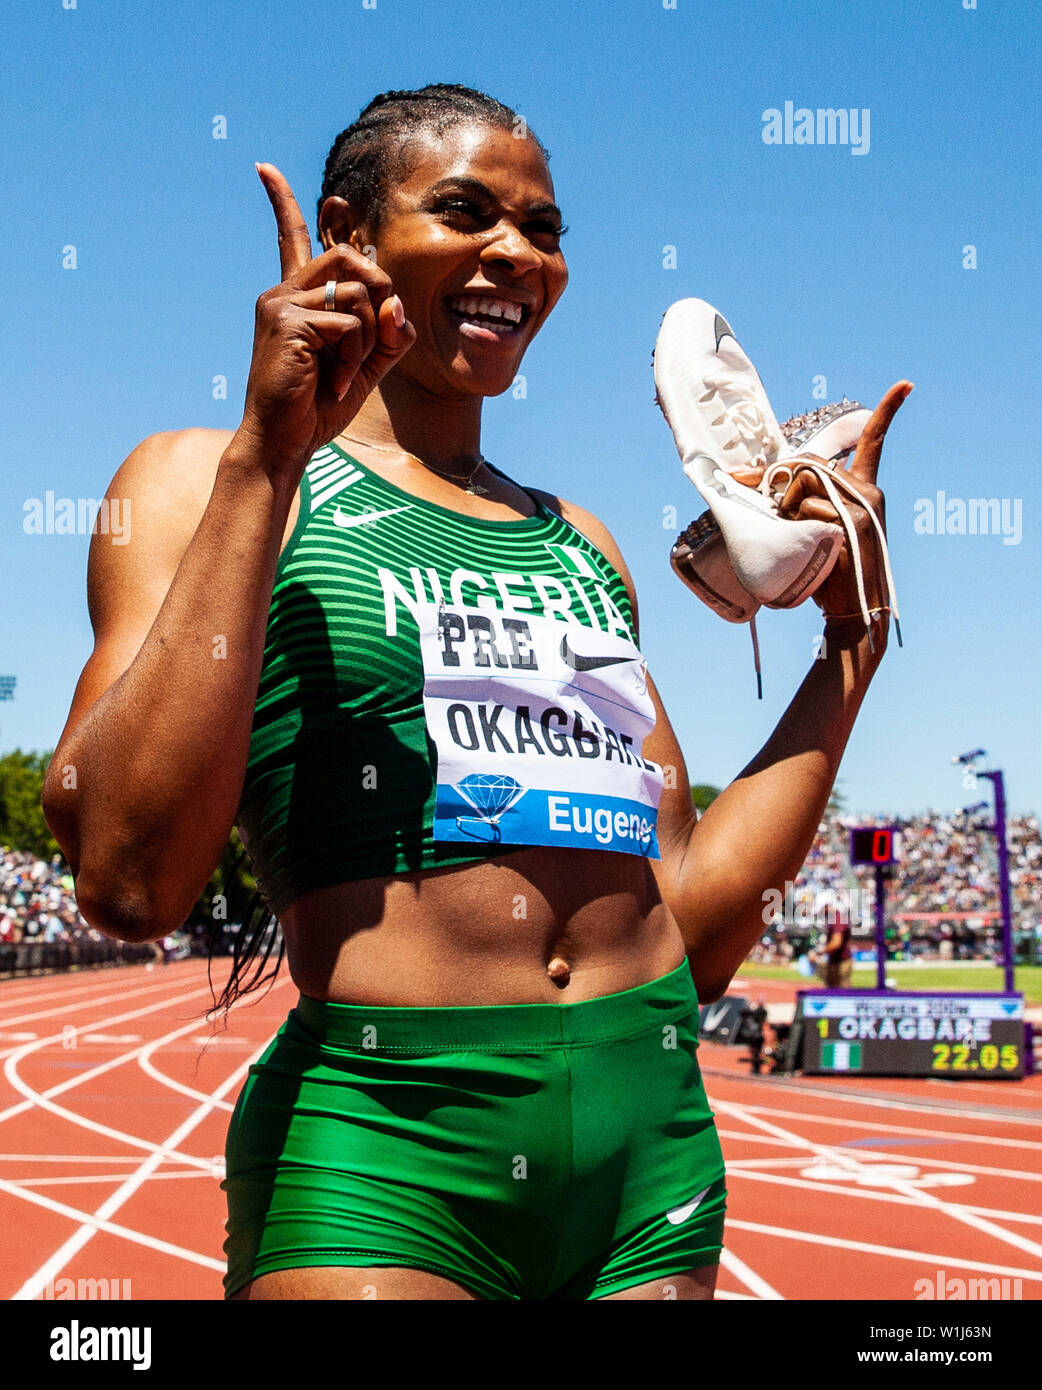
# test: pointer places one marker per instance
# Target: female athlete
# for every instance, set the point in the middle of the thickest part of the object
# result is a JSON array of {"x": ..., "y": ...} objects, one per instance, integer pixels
[{"x": 414, "y": 684}]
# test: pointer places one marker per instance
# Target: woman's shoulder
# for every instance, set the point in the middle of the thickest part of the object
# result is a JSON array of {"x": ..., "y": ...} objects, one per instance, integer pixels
[
  {"x": 176, "y": 460},
  {"x": 167, "y": 481},
  {"x": 160, "y": 490},
  {"x": 593, "y": 529}
]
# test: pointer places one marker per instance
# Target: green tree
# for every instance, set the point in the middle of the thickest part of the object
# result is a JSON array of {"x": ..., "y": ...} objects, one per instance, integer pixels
[
  {"x": 22, "y": 824},
  {"x": 227, "y": 896},
  {"x": 703, "y": 795},
  {"x": 23, "y": 827}
]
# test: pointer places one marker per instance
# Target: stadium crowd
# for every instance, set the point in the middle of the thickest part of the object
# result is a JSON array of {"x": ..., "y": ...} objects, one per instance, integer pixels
[
  {"x": 41, "y": 927},
  {"x": 37, "y": 901},
  {"x": 942, "y": 898},
  {"x": 948, "y": 866}
]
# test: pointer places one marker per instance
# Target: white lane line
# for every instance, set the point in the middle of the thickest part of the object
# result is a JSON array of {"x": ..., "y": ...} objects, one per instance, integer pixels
[
  {"x": 153, "y": 1007},
  {"x": 68, "y": 1158},
  {"x": 103, "y": 1177},
  {"x": 843, "y": 1159},
  {"x": 813, "y": 1117},
  {"x": 150, "y": 1069},
  {"x": 742, "y": 1165},
  {"x": 82, "y": 989},
  {"x": 1014, "y": 1117},
  {"x": 863, "y": 1247},
  {"x": 721, "y": 1294},
  {"x": 869, "y": 1194},
  {"x": 43, "y": 1100},
  {"x": 744, "y": 984},
  {"x": 748, "y": 1277},
  {"x": 80, "y": 1005},
  {"x": 955, "y": 1164},
  {"x": 52, "y": 1267},
  {"x": 112, "y": 1228},
  {"x": 101, "y": 981}
]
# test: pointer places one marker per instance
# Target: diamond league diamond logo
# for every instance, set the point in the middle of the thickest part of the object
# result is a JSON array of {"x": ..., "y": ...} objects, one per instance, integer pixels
[{"x": 491, "y": 795}]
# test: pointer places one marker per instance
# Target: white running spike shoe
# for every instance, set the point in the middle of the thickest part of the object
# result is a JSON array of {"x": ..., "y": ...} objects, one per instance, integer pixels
[
  {"x": 775, "y": 566},
  {"x": 711, "y": 393},
  {"x": 700, "y": 556},
  {"x": 723, "y": 425},
  {"x": 829, "y": 431},
  {"x": 743, "y": 553}
]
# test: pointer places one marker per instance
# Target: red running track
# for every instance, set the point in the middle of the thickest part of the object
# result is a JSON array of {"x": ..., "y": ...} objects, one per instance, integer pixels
[{"x": 115, "y": 1097}]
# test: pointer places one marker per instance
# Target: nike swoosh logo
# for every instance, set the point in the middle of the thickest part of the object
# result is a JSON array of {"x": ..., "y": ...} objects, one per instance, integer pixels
[
  {"x": 344, "y": 519},
  {"x": 680, "y": 1214},
  {"x": 588, "y": 663},
  {"x": 722, "y": 329},
  {"x": 713, "y": 1016}
]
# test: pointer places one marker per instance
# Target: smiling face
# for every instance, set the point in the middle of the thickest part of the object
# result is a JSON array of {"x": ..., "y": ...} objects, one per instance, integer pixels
[{"x": 470, "y": 237}]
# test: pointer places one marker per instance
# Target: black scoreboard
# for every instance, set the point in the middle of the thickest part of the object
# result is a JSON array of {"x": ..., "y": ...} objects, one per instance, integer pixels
[
  {"x": 875, "y": 844},
  {"x": 915, "y": 1034}
]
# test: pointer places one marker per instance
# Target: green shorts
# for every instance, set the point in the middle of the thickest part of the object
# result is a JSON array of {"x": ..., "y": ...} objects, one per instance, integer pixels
[{"x": 521, "y": 1150}]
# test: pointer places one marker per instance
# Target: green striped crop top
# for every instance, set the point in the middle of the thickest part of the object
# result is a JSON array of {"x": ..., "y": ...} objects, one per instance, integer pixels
[{"x": 402, "y": 644}]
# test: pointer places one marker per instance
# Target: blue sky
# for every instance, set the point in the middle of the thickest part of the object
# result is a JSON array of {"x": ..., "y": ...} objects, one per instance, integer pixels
[{"x": 826, "y": 263}]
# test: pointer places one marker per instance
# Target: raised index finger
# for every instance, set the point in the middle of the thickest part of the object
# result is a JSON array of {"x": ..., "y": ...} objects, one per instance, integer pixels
[
  {"x": 865, "y": 463},
  {"x": 294, "y": 241}
]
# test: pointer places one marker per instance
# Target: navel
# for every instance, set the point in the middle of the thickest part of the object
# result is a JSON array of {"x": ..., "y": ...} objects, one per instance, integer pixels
[{"x": 559, "y": 971}]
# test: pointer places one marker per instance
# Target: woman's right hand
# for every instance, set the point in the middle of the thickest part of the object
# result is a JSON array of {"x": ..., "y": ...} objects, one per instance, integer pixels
[{"x": 313, "y": 367}]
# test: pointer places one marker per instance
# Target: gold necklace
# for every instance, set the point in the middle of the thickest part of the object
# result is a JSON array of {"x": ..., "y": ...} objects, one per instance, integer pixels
[{"x": 472, "y": 487}]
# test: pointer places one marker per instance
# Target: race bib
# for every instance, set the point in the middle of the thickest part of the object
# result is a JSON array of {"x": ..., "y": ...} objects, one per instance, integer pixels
[{"x": 539, "y": 726}]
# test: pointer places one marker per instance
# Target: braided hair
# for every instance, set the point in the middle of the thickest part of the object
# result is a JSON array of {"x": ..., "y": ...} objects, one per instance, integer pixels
[
  {"x": 369, "y": 155},
  {"x": 255, "y": 940}
]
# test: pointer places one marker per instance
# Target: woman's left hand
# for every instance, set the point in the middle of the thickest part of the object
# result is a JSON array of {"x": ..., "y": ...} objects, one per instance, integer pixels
[{"x": 805, "y": 500}]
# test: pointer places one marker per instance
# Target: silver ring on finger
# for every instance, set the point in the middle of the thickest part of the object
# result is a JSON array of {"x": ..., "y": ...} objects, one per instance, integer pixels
[{"x": 331, "y": 295}]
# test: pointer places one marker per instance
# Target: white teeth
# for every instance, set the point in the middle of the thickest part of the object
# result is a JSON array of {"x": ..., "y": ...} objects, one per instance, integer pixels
[{"x": 491, "y": 308}]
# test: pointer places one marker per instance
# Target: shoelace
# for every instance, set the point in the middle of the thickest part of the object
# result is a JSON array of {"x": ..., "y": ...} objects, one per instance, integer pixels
[
  {"x": 829, "y": 479},
  {"x": 754, "y": 431},
  {"x": 749, "y": 425}
]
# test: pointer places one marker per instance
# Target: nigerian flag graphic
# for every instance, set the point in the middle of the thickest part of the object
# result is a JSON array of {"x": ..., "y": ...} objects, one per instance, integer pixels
[{"x": 841, "y": 1056}]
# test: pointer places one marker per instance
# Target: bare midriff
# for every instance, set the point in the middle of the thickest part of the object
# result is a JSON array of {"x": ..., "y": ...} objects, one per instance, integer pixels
[{"x": 538, "y": 925}]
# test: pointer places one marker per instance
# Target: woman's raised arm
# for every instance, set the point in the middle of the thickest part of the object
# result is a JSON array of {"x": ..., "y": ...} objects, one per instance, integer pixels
[
  {"x": 144, "y": 785},
  {"x": 755, "y": 836},
  {"x": 142, "y": 790}
]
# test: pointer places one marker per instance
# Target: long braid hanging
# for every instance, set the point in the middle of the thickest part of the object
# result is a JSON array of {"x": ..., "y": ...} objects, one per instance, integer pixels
[{"x": 254, "y": 942}]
